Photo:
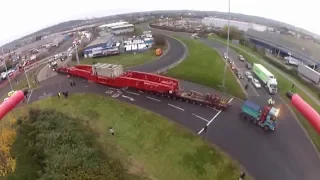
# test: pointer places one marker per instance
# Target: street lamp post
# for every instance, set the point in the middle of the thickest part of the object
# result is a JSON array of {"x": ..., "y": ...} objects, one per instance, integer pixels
[
  {"x": 7, "y": 75},
  {"x": 77, "y": 55},
  {"x": 25, "y": 73},
  {"x": 225, "y": 63}
]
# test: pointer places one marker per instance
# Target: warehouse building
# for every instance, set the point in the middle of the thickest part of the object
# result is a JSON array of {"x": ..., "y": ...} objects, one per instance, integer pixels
[
  {"x": 99, "y": 45},
  {"x": 122, "y": 29},
  {"x": 107, "y": 27}
]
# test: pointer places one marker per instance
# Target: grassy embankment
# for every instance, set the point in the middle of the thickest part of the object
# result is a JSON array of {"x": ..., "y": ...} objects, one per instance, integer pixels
[
  {"x": 127, "y": 59},
  {"x": 284, "y": 85},
  {"x": 205, "y": 66},
  {"x": 73, "y": 139}
]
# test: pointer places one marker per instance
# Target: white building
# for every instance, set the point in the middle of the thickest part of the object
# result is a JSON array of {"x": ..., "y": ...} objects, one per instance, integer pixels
[
  {"x": 108, "y": 27},
  {"x": 243, "y": 26},
  {"x": 121, "y": 29}
]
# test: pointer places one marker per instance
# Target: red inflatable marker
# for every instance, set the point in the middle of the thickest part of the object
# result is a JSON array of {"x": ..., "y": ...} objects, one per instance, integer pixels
[
  {"x": 11, "y": 103},
  {"x": 306, "y": 110}
]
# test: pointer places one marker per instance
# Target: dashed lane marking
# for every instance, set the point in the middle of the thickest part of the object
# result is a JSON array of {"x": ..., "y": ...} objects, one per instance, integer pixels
[
  {"x": 130, "y": 98},
  {"x": 254, "y": 89},
  {"x": 200, "y": 117},
  {"x": 214, "y": 117},
  {"x": 153, "y": 99},
  {"x": 176, "y": 107},
  {"x": 133, "y": 93},
  {"x": 213, "y": 109}
]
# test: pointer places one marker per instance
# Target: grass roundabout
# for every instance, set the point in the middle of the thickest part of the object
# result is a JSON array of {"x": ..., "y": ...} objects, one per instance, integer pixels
[{"x": 70, "y": 139}]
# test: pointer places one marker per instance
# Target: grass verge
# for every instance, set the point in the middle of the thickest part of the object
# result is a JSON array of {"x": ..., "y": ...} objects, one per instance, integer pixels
[
  {"x": 284, "y": 86},
  {"x": 128, "y": 59},
  {"x": 148, "y": 143},
  {"x": 205, "y": 66}
]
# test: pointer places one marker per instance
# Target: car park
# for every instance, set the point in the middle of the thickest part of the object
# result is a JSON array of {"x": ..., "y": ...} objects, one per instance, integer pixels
[
  {"x": 248, "y": 74},
  {"x": 256, "y": 83},
  {"x": 241, "y": 58}
]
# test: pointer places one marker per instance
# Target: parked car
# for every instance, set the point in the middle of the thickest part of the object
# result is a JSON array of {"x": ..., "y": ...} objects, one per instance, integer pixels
[
  {"x": 249, "y": 66},
  {"x": 249, "y": 75},
  {"x": 230, "y": 61},
  {"x": 256, "y": 83},
  {"x": 241, "y": 58}
]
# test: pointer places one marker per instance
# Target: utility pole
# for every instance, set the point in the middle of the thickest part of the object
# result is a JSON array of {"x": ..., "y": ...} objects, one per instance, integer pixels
[
  {"x": 225, "y": 63},
  {"x": 7, "y": 75}
]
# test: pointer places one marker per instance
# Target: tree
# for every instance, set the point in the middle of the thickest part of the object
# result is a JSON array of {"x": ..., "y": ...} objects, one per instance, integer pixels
[{"x": 159, "y": 39}]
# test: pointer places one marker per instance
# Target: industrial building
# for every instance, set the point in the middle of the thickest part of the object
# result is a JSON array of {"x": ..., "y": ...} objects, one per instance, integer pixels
[
  {"x": 243, "y": 26},
  {"x": 122, "y": 29},
  {"x": 107, "y": 27},
  {"x": 99, "y": 45}
]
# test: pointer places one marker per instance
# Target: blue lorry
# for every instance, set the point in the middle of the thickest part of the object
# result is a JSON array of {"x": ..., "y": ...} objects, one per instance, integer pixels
[{"x": 265, "y": 117}]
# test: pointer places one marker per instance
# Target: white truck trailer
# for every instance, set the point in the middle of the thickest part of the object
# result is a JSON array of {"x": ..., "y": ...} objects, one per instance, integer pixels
[
  {"x": 309, "y": 73},
  {"x": 266, "y": 77}
]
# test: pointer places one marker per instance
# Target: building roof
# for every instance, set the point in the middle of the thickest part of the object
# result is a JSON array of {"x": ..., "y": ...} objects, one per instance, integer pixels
[
  {"x": 100, "y": 40},
  {"x": 113, "y": 24},
  {"x": 122, "y": 26}
]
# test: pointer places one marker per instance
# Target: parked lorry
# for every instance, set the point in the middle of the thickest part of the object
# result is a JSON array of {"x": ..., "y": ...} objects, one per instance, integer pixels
[
  {"x": 265, "y": 117},
  {"x": 113, "y": 75},
  {"x": 266, "y": 77},
  {"x": 309, "y": 73}
]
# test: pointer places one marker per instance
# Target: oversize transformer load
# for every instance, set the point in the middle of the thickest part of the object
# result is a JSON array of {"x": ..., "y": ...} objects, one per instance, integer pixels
[
  {"x": 113, "y": 75},
  {"x": 107, "y": 70},
  {"x": 11, "y": 102},
  {"x": 306, "y": 110}
]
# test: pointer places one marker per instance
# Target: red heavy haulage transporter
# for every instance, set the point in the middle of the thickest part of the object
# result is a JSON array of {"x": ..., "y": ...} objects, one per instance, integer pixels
[{"x": 113, "y": 75}]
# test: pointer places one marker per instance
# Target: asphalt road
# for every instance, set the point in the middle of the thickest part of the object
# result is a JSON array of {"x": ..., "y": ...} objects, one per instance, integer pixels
[{"x": 282, "y": 155}]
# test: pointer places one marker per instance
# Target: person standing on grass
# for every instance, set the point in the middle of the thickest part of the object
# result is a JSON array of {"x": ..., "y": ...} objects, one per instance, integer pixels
[{"x": 111, "y": 131}]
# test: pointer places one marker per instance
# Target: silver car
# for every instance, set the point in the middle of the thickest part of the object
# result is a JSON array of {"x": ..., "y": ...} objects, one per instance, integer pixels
[{"x": 248, "y": 74}]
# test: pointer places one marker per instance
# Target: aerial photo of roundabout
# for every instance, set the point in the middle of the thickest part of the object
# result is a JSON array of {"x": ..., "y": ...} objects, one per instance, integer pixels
[{"x": 144, "y": 134}]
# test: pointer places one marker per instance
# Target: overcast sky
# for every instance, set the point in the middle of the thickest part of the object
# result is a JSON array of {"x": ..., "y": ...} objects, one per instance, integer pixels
[{"x": 21, "y": 17}]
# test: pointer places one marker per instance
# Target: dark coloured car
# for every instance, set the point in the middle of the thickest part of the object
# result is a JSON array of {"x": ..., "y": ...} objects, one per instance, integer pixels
[
  {"x": 249, "y": 66},
  {"x": 239, "y": 75}
]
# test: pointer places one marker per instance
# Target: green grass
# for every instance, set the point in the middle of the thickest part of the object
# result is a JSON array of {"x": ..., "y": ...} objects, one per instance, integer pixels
[
  {"x": 155, "y": 145},
  {"x": 125, "y": 59},
  {"x": 284, "y": 86},
  {"x": 205, "y": 66}
]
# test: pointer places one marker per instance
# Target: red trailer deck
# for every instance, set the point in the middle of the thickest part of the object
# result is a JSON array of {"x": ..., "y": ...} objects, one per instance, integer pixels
[{"x": 113, "y": 75}]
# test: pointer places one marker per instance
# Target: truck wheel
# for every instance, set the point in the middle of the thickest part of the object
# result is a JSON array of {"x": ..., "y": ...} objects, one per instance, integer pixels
[{"x": 266, "y": 128}]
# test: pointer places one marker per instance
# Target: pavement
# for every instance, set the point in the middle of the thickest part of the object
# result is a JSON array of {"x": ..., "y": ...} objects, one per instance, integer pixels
[{"x": 286, "y": 154}]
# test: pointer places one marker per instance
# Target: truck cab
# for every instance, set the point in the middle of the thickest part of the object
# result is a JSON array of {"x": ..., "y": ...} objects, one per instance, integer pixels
[{"x": 265, "y": 117}]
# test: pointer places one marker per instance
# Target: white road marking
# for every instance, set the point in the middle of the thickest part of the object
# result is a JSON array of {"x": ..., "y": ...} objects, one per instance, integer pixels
[
  {"x": 130, "y": 98},
  {"x": 85, "y": 86},
  {"x": 109, "y": 92},
  {"x": 213, "y": 109},
  {"x": 133, "y": 93},
  {"x": 117, "y": 94},
  {"x": 176, "y": 107},
  {"x": 29, "y": 96},
  {"x": 113, "y": 88},
  {"x": 153, "y": 99},
  {"x": 200, "y": 117},
  {"x": 254, "y": 89},
  {"x": 214, "y": 117}
]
